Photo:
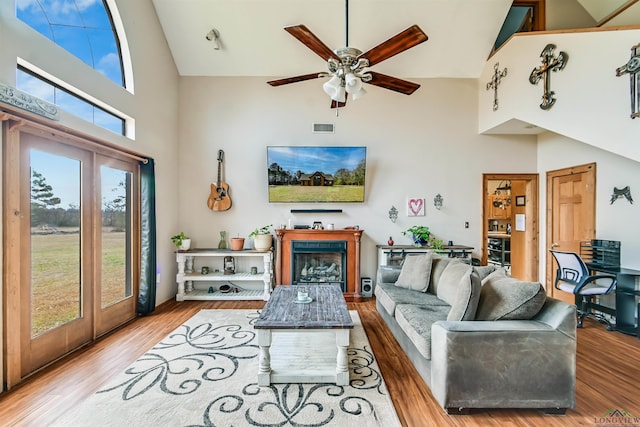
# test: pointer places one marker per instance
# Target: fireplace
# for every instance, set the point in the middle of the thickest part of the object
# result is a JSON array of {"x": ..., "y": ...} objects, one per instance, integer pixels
[
  {"x": 315, "y": 262},
  {"x": 330, "y": 256}
]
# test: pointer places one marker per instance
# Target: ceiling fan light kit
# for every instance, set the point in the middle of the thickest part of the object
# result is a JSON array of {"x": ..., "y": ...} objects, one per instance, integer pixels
[
  {"x": 347, "y": 66},
  {"x": 335, "y": 89}
]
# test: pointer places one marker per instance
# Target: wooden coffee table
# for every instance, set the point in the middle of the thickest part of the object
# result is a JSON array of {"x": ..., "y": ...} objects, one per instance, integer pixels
[{"x": 304, "y": 343}]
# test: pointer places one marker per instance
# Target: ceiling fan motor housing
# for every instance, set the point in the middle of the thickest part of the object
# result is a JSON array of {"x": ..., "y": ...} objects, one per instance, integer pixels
[{"x": 349, "y": 63}]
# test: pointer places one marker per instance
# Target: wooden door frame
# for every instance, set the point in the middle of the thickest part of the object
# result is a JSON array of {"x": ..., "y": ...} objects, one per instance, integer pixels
[
  {"x": 532, "y": 211},
  {"x": 549, "y": 263},
  {"x": 14, "y": 246}
]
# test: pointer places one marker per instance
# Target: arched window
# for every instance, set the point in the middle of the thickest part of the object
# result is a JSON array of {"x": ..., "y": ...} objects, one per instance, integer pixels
[{"x": 83, "y": 27}]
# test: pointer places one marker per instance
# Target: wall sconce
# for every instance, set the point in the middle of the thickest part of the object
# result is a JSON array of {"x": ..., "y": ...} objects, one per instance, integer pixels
[
  {"x": 393, "y": 214},
  {"x": 214, "y": 36},
  {"x": 437, "y": 201}
]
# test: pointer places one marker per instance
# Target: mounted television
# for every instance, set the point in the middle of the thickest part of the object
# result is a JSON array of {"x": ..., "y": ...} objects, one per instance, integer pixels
[{"x": 298, "y": 174}]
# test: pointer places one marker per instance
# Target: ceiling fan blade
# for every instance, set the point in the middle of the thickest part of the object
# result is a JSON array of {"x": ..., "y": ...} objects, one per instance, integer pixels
[
  {"x": 393, "y": 83},
  {"x": 310, "y": 40},
  {"x": 295, "y": 79},
  {"x": 407, "y": 39}
]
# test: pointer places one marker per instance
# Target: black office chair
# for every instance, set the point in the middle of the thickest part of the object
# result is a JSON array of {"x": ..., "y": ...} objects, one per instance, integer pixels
[{"x": 573, "y": 277}]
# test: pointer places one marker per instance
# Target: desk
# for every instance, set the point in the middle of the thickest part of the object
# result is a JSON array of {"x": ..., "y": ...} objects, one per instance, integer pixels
[{"x": 626, "y": 294}]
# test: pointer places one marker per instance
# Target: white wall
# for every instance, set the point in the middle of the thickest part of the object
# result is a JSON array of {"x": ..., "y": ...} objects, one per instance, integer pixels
[
  {"x": 417, "y": 146},
  {"x": 593, "y": 105},
  {"x": 617, "y": 221},
  {"x": 567, "y": 14}
]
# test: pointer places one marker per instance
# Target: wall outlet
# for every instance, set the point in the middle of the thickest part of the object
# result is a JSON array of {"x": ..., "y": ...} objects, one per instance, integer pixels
[{"x": 466, "y": 224}]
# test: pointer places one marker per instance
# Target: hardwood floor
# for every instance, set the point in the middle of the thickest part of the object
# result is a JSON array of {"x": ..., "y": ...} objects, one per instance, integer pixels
[{"x": 608, "y": 374}]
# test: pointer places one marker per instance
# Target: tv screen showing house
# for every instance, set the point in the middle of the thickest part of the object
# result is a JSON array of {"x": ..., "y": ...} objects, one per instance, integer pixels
[{"x": 299, "y": 174}]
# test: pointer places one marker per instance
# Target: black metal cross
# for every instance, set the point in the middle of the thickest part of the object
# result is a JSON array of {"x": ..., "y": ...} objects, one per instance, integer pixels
[
  {"x": 632, "y": 67},
  {"x": 549, "y": 63},
  {"x": 495, "y": 82}
]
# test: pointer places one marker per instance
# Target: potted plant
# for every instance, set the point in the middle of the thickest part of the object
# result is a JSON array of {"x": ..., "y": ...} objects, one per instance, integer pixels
[
  {"x": 419, "y": 233},
  {"x": 262, "y": 238},
  {"x": 237, "y": 243},
  {"x": 182, "y": 242},
  {"x": 436, "y": 244}
]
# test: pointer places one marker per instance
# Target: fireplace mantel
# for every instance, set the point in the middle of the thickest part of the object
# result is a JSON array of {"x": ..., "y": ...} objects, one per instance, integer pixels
[{"x": 352, "y": 237}]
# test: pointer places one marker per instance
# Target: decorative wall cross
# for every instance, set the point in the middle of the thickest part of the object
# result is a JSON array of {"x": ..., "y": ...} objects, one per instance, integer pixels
[
  {"x": 549, "y": 63},
  {"x": 632, "y": 67},
  {"x": 495, "y": 82}
]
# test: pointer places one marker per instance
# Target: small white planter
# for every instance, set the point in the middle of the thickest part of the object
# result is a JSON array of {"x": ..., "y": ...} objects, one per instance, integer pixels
[
  {"x": 186, "y": 245},
  {"x": 262, "y": 242}
]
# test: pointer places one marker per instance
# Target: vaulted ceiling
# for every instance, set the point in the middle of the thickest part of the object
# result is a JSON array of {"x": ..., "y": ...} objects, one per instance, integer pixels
[{"x": 253, "y": 42}]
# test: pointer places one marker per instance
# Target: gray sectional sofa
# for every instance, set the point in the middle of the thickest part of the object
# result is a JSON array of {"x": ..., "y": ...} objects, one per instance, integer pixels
[{"x": 478, "y": 337}]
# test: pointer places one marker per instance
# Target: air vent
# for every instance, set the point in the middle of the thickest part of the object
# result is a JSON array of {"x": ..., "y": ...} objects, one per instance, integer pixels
[{"x": 323, "y": 128}]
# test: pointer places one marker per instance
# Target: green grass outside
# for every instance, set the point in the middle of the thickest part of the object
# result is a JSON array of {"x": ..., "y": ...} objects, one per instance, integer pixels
[
  {"x": 298, "y": 193},
  {"x": 55, "y": 277}
]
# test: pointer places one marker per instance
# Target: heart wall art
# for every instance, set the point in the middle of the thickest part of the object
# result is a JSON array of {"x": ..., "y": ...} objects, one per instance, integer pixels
[{"x": 415, "y": 206}]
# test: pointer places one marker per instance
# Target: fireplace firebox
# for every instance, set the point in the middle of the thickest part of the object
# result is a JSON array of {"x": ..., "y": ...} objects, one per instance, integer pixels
[
  {"x": 317, "y": 262},
  {"x": 319, "y": 250}
]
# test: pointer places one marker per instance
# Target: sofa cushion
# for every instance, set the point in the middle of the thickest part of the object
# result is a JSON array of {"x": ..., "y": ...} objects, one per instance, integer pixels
[
  {"x": 467, "y": 297},
  {"x": 388, "y": 273},
  {"x": 438, "y": 264},
  {"x": 416, "y": 270},
  {"x": 505, "y": 298},
  {"x": 484, "y": 270},
  {"x": 454, "y": 275},
  {"x": 389, "y": 296},
  {"x": 416, "y": 320}
]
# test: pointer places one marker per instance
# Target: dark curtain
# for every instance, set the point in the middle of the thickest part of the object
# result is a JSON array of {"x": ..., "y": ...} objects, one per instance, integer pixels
[{"x": 147, "y": 295}]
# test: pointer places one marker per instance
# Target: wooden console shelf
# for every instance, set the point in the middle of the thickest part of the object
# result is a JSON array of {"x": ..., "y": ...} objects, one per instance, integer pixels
[{"x": 351, "y": 237}]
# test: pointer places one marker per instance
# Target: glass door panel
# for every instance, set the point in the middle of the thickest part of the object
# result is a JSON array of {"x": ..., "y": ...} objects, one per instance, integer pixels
[
  {"x": 116, "y": 277},
  {"x": 56, "y": 243},
  {"x": 55, "y": 307}
]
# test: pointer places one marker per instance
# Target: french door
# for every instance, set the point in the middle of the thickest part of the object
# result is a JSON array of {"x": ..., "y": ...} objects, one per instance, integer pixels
[{"x": 70, "y": 233}]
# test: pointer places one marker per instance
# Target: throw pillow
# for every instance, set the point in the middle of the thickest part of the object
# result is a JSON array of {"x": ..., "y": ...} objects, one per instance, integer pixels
[
  {"x": 484, "y": 270},
  {"x": 439, "y": 263},
  {"x": 415, "y": 273},
  {"x": 452, "y": 276},
  {"x": 505, "y": 298},
  {"x": 468, "y": 295}
]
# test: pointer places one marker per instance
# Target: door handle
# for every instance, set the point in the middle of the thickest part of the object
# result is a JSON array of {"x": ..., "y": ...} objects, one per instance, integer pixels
[{"x": 555, "y": 245}]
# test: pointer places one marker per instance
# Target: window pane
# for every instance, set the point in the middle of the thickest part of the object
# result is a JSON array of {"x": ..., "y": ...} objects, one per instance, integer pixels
[
  {"x": 116, "y": 235},
  {"x": 69, "y": 102},
  {"x": 108, "y": 121},
  {"x": 75, "y": 41},
  {"x": 82, "y": 27},
  {"x": 74, "y": 105},
  {"x": 35, "y": 86},
  {"x": 55, "y": 241}
]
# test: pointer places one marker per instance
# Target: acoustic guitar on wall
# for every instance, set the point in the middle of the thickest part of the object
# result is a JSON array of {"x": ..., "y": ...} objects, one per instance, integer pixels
[{"x": 219, "y": 199}]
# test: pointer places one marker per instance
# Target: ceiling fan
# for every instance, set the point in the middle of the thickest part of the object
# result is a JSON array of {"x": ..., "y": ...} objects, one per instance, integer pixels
[{"x": 347, "y": 65}]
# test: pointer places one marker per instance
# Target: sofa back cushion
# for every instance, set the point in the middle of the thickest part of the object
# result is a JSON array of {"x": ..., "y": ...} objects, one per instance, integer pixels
[
  {"x": 467, "y": 297},
  {"x": 415, "y": 273},
  {"x": 455, "y": 274},
  {"x": 505, "y": 298},
  {"x": 438, "y": 264},
  {"x": 484, "y": 270}
]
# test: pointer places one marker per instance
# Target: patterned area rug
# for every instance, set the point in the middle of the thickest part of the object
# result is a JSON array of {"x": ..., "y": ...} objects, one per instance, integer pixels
[{"x": 205, "y": 374}]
